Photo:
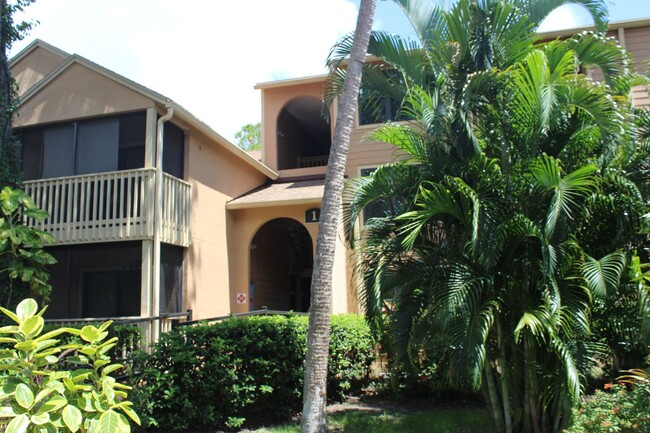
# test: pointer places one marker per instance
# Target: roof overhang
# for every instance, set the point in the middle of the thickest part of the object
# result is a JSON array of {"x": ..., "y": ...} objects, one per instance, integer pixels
[{"x": 281, "y": 194}]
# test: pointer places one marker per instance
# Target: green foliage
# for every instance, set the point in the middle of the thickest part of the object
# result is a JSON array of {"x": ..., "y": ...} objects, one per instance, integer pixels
[
  {"x": 37, "y": 396},
  {"x": 518, "y": 208},
  {"x": 10, "y": 32},
  {"x": 352, "y": 351},
  {"x": 226, "y": 374},
  {"x": 616, "y": 409},
  {"x": 23, "y": 260},
  {"x": 249, "y": 137}
]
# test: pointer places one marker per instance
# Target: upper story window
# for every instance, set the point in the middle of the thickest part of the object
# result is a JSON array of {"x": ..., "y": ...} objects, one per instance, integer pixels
[
  {"x": 95, "y": 146},
  {"x": 378, "y": 109},
  {"x": 380, "y": 97}
]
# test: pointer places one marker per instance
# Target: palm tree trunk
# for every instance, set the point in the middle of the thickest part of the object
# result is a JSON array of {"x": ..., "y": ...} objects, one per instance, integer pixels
[
  {"x": 497, "y": 414},
  {"x": 314, "y": 419},
  {"x": 531, "y": 409},
  {"x": 505, "y": 379}
]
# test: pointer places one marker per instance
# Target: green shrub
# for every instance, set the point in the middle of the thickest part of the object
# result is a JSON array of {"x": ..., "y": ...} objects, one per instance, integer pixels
[
  {"x": 40, "y": 393},
  {"x": 352, "y": 351},
  {"x": 241, "y": 371},
  {"x": 617, "y": 409}
]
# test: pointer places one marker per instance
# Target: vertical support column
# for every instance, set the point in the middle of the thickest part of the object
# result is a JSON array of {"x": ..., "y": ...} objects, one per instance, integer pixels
[
  {"x": 621, "y": 37},
  {"x": 146, "y": 286}
]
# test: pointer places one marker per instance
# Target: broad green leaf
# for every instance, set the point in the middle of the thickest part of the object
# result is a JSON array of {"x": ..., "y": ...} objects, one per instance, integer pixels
[
  {"x": 72, "y": 418},
  {"x": 18, "y": 424},
  {"x": 26, "y": 346},
  {"x": 26, "y": 309},
  {"x": 10, "y": 314},
  {"x": 88, "y": 351},
  {"x": 40, "y": 418},
  {"x": 126, "y": 407},
  {"x": 24, "y": 396},
  {"x": 53, "y": 404},
  {"x": 49, "y": 427},
  {"x": 111, "y": 368},
  {"x": 7, "y": 411},
  {"x": 69, "y": 384},
  {"x": 109, "y": 422},
  {"x": 43, "y": 393},
  {"x": 33, "y": 325},
  {"x": 89, "y": 333},
  {"x": 123, "y": 424}
]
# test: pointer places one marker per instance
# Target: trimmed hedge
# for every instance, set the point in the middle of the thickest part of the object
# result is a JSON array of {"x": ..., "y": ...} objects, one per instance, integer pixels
[{"x": 242, "y": 371}]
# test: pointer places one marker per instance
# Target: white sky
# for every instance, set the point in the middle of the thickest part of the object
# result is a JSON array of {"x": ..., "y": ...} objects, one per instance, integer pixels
[{"x": 208, "y": 54}]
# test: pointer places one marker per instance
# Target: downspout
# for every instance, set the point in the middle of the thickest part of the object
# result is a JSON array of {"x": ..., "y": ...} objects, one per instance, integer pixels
[{"x": 157, "y": 227}]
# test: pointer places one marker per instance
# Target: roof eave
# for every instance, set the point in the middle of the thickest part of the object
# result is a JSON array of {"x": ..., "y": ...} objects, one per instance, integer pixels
[{"x": 275, "y": 203}]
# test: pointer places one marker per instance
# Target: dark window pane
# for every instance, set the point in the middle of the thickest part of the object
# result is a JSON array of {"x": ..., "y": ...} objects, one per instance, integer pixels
[
  {"x": 171, "y": 281},
  {"x": 173, "y": 151},
  {"x": 32, "y": 143},
  {"x": 97, "y": 146},
  {"x": 58, "y": 151},
  {"x": 132, "y": 137}
]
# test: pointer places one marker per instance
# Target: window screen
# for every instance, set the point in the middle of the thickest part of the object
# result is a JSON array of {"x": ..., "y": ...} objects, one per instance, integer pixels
[
  {"x": 97, "y": 146},
  {"x": 58, "y": 151}
]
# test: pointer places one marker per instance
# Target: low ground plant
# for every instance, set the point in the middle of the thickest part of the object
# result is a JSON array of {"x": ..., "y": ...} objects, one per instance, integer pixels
[{"x": 617, "y": 408}]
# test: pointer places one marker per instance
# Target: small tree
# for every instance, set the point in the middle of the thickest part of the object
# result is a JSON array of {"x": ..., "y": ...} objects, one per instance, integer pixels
[
  {"x": 249, "y": 137},
  {"x": 23, "y": 260},
  {"x": 10, "y": 32}
]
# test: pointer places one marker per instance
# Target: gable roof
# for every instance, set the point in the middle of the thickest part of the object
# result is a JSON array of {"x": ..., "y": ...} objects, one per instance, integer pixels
[
  {"x": 179, "y": 111},
  {"x": 37, "y": 43}
]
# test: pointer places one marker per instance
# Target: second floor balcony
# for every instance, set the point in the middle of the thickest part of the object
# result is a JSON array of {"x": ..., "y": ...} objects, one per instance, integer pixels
[{"x": 113, "y": 206}]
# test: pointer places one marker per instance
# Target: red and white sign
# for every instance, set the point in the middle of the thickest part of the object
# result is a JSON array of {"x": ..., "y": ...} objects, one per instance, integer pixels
[{"x": 241, "y": 298}]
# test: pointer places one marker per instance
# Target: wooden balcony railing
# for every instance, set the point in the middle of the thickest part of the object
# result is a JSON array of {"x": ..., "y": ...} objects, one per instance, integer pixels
[
  {"x": 312, "y": 161},
  {"x": 104, "y": 207}
]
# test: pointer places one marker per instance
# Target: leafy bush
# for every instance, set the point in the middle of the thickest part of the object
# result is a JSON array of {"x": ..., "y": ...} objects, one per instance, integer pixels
[
  {"x": 352, "y": 351},
  {"x": 23, "y": 261},
  {"x": 241, "y": 370},
  {"x": 40, "y": 393},
  {"x": 617, "y": 409}
]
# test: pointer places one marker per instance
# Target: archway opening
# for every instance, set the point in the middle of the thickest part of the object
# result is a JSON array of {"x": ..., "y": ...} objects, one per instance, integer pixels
[
  {"x": 281, "y": 260},
  {"x": 303, "y": 136}
]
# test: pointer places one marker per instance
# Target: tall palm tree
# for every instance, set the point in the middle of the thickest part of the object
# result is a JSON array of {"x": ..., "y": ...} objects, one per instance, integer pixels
[
  {"x": 488, "y": 241},
  {"x": 314, "y": 418}
]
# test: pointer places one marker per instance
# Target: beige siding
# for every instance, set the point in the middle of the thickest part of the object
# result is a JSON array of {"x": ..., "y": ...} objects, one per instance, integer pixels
[
  {"x": 76, "y": 93},
  {"x": 637, "y": 42},
  {"x": 216, "y": 177},
  {"x": 32, "y": 68}
]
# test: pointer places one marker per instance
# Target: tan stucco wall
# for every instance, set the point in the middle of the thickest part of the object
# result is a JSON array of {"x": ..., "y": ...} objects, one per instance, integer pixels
[
  {"x": 246, "y": 222},
  {"x": 216, "y": 177},
  {"x": 77, "y": 93},
  {"x": 32, "y": 68},
  {"x": 273, "y": 101},
  {"x": 362, "y": 153}
]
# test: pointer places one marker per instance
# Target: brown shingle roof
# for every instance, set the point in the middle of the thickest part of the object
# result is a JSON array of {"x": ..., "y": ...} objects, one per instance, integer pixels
[{"x": 281, "y": 194}]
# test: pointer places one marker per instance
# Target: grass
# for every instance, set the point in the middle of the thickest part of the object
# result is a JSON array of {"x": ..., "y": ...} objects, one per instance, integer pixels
[{"x": 429, "y": 421}]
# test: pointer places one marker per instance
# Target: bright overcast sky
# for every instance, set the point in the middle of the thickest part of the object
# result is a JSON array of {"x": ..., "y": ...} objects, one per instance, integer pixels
[{"x": 207, "y": 55}]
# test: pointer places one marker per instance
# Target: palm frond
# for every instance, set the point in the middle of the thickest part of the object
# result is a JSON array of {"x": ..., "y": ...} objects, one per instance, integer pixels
[{"x": 603, "y": 276}]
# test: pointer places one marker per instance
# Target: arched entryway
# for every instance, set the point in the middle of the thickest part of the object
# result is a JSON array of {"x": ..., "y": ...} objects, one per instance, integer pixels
[
  {"x": 281, "y": 260},
  {"x": 303, "y": 136}
]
